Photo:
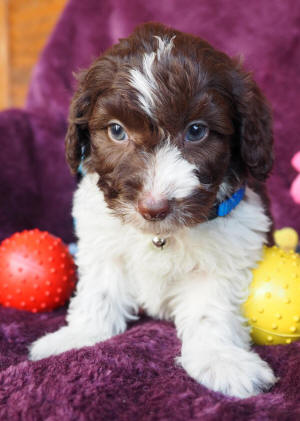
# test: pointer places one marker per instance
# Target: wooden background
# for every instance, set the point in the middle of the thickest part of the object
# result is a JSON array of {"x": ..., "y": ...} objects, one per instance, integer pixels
[{"x": 25, "y": 26}]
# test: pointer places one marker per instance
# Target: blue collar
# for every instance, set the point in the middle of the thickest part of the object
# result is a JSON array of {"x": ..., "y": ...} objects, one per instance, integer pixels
[{"x": 224, "y": 208}]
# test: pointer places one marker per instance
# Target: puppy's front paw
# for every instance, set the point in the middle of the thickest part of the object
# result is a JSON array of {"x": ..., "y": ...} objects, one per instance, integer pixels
[
  {"x": 62, "y": 340},
  {"x": 235, "y": 372}
]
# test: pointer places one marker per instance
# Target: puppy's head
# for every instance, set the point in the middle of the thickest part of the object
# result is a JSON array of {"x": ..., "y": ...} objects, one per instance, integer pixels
[{"x": 171, "y": 126}]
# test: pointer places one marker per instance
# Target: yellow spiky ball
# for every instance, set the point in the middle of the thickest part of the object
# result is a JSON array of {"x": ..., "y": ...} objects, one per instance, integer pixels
[{"x": 273, "y": 305}]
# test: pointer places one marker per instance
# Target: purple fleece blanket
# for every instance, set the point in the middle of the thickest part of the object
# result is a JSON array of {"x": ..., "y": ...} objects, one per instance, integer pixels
[
  {"x": 133, "y": 376},
  {"x": 130, "y": 377}
]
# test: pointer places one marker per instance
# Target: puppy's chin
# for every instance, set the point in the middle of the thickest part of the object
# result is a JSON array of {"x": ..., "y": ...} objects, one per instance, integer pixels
[{"x": 166, "y": 227}]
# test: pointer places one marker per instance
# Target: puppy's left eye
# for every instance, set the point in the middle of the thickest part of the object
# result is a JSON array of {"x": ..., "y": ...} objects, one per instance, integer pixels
[
  {"x": 117, "y": 132},
  {"x": 196, "y": 131}
]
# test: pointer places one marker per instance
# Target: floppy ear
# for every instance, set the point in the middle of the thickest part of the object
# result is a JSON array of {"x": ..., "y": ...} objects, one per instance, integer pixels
[
  {"x": 78, "y": 133},
  {"x": 255, "y": 127}
]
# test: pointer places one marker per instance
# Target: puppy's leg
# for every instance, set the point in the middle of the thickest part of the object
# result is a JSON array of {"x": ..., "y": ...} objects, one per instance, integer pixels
[
  {"x": 215, "y": 342},
  {"x": 98, "y": 311}
]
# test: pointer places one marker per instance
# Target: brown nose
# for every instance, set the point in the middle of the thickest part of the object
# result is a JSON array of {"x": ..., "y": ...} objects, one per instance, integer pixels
[{"x": 153, "y": 209}]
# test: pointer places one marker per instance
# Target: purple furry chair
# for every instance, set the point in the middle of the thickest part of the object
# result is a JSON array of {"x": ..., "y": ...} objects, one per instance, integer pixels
[{"x": 133, "y": 376}]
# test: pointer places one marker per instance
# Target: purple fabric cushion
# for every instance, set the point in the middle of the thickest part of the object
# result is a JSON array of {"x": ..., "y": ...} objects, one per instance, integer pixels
[
  {"x": 35, "y": 183},
  {"x": 133, "y": 376}
]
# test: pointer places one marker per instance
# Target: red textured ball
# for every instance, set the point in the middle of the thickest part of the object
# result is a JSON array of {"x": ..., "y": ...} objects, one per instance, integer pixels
[{"x": 37, "y": 272}]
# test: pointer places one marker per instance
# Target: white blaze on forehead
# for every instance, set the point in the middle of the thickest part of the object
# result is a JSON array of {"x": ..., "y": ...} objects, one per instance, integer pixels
[
  {"x": 141, "y": 84},
  {"x": 169, "y": 174},
  {"x": 144, "y": 81}
]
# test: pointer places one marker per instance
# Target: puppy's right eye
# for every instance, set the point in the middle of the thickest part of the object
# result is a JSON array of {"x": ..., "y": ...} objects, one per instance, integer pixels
[{"x": 117, "y": 132}]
